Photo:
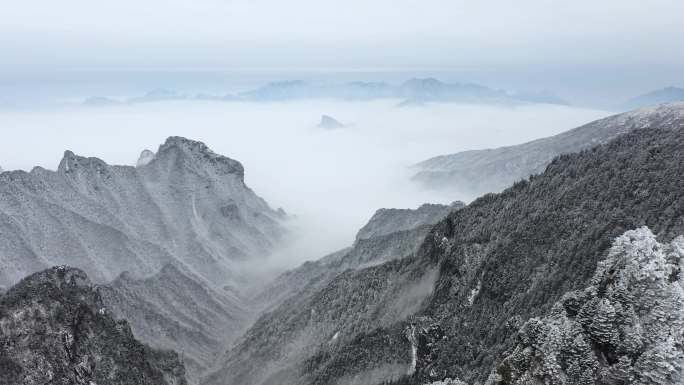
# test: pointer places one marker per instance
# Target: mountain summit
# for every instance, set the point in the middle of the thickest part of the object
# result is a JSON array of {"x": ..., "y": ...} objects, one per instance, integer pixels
[{"x": 187, "y": 205}]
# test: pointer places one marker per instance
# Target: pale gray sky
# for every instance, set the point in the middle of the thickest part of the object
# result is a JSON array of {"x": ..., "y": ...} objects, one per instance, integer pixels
[{"x": 384, "y": 34}]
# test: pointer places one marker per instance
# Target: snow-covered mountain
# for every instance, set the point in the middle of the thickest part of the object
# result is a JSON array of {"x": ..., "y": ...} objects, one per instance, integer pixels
[
  {"x": 481, "y": 171},
  {"x": 187, "y": 206},
  {"x": 389, "y": 234},
  {"x": 452, "y": 312}
]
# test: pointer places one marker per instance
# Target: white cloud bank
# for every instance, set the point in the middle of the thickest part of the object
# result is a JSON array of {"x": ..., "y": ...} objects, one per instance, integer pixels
[{"x": 333, "y": 180}]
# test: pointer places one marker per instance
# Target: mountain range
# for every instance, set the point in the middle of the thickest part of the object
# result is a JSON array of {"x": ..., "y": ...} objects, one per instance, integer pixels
[
  {"x": 654, "y": 98},
  {"x": 414, "y": 91},
  {"x": 569, "y": 276},
  {"x": 477, "y": 172},
  {"x": 454, "y": 309}
]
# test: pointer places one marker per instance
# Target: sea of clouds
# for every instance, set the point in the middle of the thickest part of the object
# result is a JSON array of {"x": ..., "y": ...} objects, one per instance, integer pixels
[{"x": 332, "y": 181}]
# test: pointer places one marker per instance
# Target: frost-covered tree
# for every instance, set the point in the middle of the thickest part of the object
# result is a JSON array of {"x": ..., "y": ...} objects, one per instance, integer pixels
[{"x": 627, "y": 327}]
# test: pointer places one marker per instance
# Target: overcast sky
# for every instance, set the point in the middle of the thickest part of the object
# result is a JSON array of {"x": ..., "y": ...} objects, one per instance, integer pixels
[
  {"x": 580, "y": 49},
  {"x": 382, "y": 34}
]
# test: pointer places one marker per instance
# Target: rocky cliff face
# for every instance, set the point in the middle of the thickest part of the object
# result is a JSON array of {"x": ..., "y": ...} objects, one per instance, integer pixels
[
  {"x": 55, "y": 329},
  {"x": 453, "y": 310},
  {"x": 187, "y": 206},
  {"x": 481, "y": 171}
]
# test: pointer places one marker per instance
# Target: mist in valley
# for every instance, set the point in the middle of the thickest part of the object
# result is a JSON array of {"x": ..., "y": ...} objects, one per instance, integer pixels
[{"x": 330, "y": 181}]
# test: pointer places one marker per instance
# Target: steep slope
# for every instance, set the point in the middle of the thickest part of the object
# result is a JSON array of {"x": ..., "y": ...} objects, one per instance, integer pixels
[
  {"x": 387, "y": 221},
  {"x": 391, "y": 234},
  {"x": 664, "y": 95},
  {"x": 478, "y": 276},
  {"x": 56, "y": 330},
  {"x": 174, "y": 310},
  {"x": 481, "y": 171},
  {"x": 187, "y": 206}
]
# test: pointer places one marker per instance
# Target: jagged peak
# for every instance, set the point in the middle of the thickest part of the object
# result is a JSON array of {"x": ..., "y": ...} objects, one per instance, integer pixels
[
  {"x": 71, "y": 162},
  {"x": 200, "y": 151}
]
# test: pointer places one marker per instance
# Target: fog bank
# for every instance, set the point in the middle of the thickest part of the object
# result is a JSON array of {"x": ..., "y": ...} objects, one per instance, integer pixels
[{"x": 331, "y": 180}]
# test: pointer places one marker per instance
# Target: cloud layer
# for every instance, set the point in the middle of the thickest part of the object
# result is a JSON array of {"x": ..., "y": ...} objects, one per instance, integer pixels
[{"x": 332, "y": 180}]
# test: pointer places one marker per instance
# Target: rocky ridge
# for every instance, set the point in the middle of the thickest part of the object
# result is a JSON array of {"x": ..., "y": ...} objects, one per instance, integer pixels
[
  {"x": 477, "y": 172},
  {"x": 56, "y": 330},
  {"x": 187, "y": 206}
]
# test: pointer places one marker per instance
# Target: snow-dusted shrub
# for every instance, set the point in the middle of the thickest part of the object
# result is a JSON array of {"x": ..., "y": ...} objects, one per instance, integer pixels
[{"x": 627, "y": 327}]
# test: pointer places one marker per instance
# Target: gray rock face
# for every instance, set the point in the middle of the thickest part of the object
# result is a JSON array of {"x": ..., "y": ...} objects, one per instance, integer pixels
[
  {"x": 481, "y": 171},
  {"x": 329, "y": 123},
  {"x": 56, "y": 330},
  {"x": 109, "y": 219},
  {"x": 175, "y": 310}
]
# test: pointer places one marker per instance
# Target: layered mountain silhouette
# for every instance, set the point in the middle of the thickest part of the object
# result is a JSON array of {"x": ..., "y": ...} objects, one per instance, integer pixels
[
  {"x": 481, "y": 171},
  {"x": 414, "y": 91}
]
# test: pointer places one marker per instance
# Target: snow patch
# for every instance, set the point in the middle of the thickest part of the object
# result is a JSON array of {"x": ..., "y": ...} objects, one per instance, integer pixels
[
  {"x": 474, "y": 292},
  {"x": 411, "y": 335}
]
